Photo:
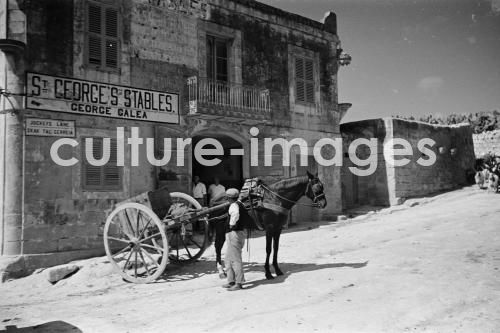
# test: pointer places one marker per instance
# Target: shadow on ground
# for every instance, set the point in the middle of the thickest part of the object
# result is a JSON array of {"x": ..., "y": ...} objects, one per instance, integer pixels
[
  {"x": 182, "y": 272},
  {"x": 291, "y": 268},
  {"x": 50, "y": 327},
  {"x": 204, "y": 267}
]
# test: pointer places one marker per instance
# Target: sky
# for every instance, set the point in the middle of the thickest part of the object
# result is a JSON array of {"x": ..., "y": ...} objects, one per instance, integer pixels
[{"x": 414, "y": 57}]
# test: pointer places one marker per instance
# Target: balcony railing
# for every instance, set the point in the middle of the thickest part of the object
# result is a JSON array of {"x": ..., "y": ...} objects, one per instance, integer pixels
[{"x": 203, "y": 92}]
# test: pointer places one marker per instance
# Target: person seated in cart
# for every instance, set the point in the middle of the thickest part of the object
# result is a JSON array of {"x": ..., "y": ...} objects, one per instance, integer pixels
[{"x": 235, "y": 240}]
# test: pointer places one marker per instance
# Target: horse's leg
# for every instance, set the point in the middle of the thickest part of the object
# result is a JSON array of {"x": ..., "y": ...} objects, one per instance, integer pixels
[
  {"x": 269, "y": 239},
  {"x": 220, "y": 237},
  {"x": 276, "y": 239}
]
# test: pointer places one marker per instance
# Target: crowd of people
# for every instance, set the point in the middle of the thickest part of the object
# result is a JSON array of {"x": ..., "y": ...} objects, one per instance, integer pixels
[
  {"x": 204, "y": 196},
  {"x": 488, "y": 172}
]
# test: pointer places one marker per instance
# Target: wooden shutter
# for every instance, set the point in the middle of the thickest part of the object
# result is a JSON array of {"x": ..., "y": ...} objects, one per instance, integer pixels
[
  {"x": 112, "y": 172},
  {"x": 103, "y": 36},
  {"x": 299, "y": 80},
  {"x": 94, "y": 34},
  {"x": 304, "y": 80},
  {"x": 92, "y": 174},
  {"x": 102, "y": 178},
  {"x": 309, "y": 80},
  {"x": 111, "y": 38}
]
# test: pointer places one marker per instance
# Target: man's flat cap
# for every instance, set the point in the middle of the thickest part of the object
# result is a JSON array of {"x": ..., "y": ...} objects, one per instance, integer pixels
[{"x": 232, "y": 193}]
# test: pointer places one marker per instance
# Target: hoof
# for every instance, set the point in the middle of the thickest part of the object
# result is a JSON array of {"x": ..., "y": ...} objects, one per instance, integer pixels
[
  {"x": 278, "y": 272},
  {"x": 269, "y": 276}
]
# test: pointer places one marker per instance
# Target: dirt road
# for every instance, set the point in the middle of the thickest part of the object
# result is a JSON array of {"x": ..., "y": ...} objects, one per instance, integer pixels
[{"x": 434, "y": 267}]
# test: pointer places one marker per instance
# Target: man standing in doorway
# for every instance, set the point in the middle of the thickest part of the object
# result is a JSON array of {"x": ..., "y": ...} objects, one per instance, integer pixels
[
  {"x": 199, "y": 191},
  {"x": 216, "y": 189},
  {"x": 235, "y": 240}
]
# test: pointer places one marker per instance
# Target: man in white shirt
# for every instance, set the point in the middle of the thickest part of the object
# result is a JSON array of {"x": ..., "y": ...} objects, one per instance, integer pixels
[
  {"x": 199, "y": 191},
  {"x": 216, "y": 189},
  {"x": 235, "y": 240}
]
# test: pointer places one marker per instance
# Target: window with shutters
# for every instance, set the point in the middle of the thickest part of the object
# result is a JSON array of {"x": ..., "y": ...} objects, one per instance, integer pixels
[
  {"x": 101, "y": 178},
  {"x": 304, "y": 80},
  {"x": 103, "y": 43}
]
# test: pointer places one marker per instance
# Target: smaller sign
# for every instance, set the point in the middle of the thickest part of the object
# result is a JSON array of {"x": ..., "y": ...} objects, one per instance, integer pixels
[
  {"x": 50, "y": 127},
  {"x": 193, "y": 107}
]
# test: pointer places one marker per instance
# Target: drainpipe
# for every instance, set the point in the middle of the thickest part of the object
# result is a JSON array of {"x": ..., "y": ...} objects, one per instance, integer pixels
[{"x": 12, "y": 85}]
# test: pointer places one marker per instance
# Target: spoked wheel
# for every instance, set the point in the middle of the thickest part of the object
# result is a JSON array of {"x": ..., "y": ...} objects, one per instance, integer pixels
[
  {"x": 187, "y": 240},
  {"x": 132, "y": 235}
]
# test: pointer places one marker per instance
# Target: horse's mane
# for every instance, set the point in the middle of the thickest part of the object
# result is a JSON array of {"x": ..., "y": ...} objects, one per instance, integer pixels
[{"x": 288, "y": 183}]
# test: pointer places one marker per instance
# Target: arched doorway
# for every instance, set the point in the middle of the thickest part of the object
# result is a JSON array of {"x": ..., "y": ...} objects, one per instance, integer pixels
[{"x": 230, "y": 170}]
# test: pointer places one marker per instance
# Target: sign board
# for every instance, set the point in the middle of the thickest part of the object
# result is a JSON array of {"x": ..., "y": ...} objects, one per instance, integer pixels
[
  {"x": 193, "y": 107},
  {"x": 50, "y": 127},
  {"x": 53, "y": 93}
]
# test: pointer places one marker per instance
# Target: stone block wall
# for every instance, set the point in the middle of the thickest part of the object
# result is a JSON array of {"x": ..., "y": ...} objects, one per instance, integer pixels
[
  {"x": 58, "y": 215},
  {"x": 390, "y": 185},
  {"x": 372, "y": 189},
  {"x": 450, "y": 169},
  {"x": 486, "y": 142}
]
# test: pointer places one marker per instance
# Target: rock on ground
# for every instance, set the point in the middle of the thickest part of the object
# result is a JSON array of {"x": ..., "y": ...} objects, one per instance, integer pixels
[{"x": 57, "y": 273}]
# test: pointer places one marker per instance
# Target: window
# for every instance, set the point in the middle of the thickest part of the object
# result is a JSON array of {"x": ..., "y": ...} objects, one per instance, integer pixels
[
  {"x": 304, "y": 80},
  {"x": 217, "y": 59},
  {"x": 102, "y": 36},
  {"x": 101, "y": 178}
]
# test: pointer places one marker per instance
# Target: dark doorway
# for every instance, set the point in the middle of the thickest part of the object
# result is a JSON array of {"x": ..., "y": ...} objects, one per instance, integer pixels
[{"x": 229, "y": 170}]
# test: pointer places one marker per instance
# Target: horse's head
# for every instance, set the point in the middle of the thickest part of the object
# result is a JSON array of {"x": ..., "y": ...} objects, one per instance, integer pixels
[{"x": 315, "y": 191}]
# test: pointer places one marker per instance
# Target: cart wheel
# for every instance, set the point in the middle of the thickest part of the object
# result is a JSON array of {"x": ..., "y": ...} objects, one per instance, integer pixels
[
  {"x": 186, "y": 244},
  {"x": 131, "y": 237}
]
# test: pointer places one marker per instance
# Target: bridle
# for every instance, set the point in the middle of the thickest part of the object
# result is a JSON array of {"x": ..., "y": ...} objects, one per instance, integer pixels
[
  {"x": 313, "y": 196},
  {"x": 309, "y": 192}
]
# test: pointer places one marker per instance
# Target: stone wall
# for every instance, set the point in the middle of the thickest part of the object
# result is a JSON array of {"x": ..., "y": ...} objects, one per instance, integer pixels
[
  {"x": 486, "y": 142},
  {"x": 454, "y": 158},
  {"x": 389, "y": 184},
  {"x": 372, "y": 189}
]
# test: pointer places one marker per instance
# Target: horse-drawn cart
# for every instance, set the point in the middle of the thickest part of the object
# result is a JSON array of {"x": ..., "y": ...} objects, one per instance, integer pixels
[{"x": 144, "y": 233}]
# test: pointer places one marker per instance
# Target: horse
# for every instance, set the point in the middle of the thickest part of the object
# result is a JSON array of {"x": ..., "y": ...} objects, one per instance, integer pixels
[{"x": 278, "y": 199}]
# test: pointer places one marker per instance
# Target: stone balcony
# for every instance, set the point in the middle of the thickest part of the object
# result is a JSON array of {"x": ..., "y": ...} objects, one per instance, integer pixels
[{"x": 210, "y": 99}]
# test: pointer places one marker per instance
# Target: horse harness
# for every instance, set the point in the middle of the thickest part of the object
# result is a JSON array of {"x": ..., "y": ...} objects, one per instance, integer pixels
[{"x": 252, "y": 196}]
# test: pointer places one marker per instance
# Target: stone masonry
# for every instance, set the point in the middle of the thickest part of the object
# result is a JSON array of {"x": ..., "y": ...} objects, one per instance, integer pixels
[
  {"x": 391, "y": 185},
  {"x": 486, "y": 143}
]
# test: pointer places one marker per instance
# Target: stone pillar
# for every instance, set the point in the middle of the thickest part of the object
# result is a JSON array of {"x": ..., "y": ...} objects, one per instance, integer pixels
[
  {"x": 330, "y": 26},
  {"x": 11, "y": 145},
  {"x": 390, "y": 169}
]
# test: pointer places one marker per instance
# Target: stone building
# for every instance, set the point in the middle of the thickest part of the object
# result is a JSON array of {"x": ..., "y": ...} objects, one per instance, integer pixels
[
  {"x": 198, "y": 69},
  {"x": 437, "y": 158}
]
